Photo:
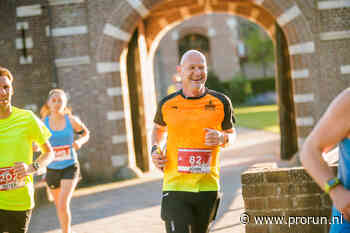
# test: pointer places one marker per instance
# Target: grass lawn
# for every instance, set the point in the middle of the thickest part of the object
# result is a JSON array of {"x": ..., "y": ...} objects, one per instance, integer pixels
[{"x": 258, "y": 117}]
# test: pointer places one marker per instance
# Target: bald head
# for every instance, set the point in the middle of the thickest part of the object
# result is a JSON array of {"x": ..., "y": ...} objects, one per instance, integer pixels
[
  {"x": 191, "y": 53},
  {"x": 193, "y": 71}
]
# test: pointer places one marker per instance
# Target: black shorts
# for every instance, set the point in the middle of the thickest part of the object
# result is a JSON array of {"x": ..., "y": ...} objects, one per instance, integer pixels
[
  {"x": 54, "y": 176},
  {"x": 14, "y": 221},
  {"x": 185, "y": 212}
]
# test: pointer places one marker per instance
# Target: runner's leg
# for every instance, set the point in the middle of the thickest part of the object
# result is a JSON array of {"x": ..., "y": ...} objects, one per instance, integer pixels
[
  {"x": 63, "y": 203},
  {"x": 177, "y": 227},
  {"x": 62, "y": 185},
  {"x": 177, "y": 211},
  {"x": 205, "y": 207}
]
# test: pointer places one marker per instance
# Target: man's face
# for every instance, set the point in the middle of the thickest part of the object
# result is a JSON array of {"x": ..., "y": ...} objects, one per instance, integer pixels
[
  {"x": 194, "y": 72},
  {"x": 6, "y": 92}
]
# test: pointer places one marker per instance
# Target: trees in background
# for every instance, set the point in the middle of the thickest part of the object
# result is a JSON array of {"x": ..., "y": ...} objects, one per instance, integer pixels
[{"x": 259, "y": 47}]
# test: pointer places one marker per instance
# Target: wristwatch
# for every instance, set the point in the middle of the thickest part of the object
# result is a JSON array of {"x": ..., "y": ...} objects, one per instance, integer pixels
[
  {"x": 36, "y": 166},
  {"x": 154, "y": 148},
  {"x": 330, "y": 184}
]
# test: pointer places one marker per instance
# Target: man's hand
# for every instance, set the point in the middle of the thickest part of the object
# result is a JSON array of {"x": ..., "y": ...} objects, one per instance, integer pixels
[
  {"x": 158, "y": 159},
  {"x": 341, "y": 200},
  {"x": 214, "y": 137},
  {"x": 22, "y": 170}
]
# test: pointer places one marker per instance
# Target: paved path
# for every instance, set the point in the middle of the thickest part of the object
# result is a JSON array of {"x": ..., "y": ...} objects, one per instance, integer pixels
[{"x": 133, "y": 206}]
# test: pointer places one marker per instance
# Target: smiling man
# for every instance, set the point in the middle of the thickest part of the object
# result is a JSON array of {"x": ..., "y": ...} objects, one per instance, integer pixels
[{"x": 197, "y": 122}]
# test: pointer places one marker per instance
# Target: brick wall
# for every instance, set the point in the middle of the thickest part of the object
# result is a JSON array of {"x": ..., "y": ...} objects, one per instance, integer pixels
[
  {"x": 33, "y": 73},
  {"x": 284, "y": 192}
]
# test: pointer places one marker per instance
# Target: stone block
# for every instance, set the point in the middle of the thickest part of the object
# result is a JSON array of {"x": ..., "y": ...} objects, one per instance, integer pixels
[
  {"x": 311, "y": 201},
  {"x": 255, "y": 203},
  {"x": 252, "y": 178},
  {"x": 280, "y": 176}
]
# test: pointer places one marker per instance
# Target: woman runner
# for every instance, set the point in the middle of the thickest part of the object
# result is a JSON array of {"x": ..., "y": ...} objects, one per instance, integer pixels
[{"x": 63, "y": 173}]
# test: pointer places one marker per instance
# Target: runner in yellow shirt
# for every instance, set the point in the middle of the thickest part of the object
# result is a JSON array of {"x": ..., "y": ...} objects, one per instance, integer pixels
[
  {"x": 18, "y": 130},
  {"x": 197, "y": 122}
]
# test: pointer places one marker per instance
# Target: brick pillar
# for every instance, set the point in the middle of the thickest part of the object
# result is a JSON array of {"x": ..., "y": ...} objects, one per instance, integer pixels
[
  {"x": 284, "y": 192},
  {"x": 30, "y": 60}
]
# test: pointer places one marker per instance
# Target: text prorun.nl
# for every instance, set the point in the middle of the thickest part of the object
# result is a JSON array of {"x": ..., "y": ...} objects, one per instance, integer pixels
[{"x": 291, "y": 220}]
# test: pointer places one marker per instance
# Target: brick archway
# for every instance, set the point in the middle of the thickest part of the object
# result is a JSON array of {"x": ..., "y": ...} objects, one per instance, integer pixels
[
  {"x": 158, "y": 16},
  {"x": 288, "y": 14}
]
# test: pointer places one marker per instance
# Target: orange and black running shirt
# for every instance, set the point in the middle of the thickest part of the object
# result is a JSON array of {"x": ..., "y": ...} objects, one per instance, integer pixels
[{"x": 193, "y": 166}]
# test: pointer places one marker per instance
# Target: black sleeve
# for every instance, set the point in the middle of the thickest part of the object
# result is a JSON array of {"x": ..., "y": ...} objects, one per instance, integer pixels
[
  {"x": 81, "y": 132},
  {"x": 229, "y": 118},
  {"x": 158, "y": 119}
]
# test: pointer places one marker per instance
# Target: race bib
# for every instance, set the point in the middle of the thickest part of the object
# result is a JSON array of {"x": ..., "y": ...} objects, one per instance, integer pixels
[
  {"x": 62, "y": 153},
  {"x": 193, "y": 160},
  {"x": 8, "y": 179}
]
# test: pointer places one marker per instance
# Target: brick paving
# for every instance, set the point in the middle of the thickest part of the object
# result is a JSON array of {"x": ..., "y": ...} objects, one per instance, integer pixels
[{"x": 133, "y": 206}]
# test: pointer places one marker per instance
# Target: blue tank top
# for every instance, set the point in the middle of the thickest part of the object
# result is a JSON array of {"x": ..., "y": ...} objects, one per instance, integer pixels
[
  {"x": 62, "y": 141},
  {"x": 344, "y": 176}
]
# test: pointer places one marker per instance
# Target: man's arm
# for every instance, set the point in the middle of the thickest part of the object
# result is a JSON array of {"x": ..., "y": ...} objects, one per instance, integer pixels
[
  {"x": 220, "y": 138},
  {"x": 22, "y": 169},
  {"x": 158, "y": 135},
  {"x": 230, "y": 136},
  {"x": 47, "y": 154},
  {"x": 333, "y": 127},
  {"x": 228, "y": 133}
]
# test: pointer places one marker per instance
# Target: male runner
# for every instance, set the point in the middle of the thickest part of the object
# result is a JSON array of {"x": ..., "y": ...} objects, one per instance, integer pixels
[
  {"x": 18, "y": 130},
  {"x": 197, "y": 121}
]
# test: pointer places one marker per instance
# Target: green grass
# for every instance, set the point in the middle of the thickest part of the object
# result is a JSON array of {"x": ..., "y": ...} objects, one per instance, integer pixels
[{"x": 258, "y": 117}]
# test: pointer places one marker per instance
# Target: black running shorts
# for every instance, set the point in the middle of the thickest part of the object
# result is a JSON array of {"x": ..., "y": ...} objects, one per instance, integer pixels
[
  {"x": 14, "y": 221},
  {"x": 54, "y": 176},
  {"x": 189, "y": 212}
]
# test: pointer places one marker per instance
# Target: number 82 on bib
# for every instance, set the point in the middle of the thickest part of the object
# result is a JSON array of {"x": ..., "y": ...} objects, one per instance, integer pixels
[{"x": 193, "y": 160}]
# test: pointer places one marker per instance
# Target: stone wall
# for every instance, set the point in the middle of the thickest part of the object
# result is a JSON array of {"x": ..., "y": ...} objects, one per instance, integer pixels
[{"x": 284, "y": 192}]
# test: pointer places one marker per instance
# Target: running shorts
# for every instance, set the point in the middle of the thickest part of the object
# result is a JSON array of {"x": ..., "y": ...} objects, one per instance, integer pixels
[
  {"x": 189, "y": 212},
  {"x": 14, "y": 221},
  {"x": 54, "y": 176}
]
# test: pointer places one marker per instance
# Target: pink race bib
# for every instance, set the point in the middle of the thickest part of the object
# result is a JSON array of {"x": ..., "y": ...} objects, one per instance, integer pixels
[
  {"x": 8, "y": 179},
  {"x": 193, "y": 160}
]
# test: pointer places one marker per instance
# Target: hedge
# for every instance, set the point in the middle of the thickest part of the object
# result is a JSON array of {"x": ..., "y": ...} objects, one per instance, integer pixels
[
  {"x": 239, "y": 89},
  {"x": 262, "y": 85}
]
